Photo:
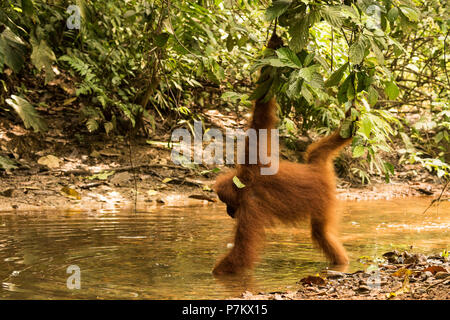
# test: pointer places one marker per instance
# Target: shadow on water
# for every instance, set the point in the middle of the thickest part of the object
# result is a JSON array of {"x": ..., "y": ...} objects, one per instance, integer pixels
[{"x": 169, "y": 253}]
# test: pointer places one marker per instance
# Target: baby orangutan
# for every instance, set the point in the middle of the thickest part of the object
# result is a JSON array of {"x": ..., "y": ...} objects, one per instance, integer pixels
[{"x": 295, "y": 192}]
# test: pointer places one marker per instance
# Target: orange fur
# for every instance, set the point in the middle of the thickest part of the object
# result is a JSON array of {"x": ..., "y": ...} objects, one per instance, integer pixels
[{"x": 295, "y": 192}]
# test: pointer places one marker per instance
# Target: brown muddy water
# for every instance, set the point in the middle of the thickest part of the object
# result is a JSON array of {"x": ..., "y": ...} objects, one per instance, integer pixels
[{"x": 168, "y": 253}]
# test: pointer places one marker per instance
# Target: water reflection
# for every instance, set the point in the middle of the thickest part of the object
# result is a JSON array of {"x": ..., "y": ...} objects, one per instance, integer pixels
[{"x": 169, "y": 253}]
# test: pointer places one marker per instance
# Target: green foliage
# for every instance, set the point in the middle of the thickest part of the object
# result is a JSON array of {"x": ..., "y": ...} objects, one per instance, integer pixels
[
  {"x": 137, "y": 61},
  {"x": 7, "y": 164},
  {"x": 27, "y": 113},
  {"x": 356, "y": 46}
]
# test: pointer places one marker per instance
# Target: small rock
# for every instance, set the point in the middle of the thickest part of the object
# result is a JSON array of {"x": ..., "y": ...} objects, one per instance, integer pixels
[
  {"x": 7, "y": 193},
  {"x": 331, "y": 274},
  {"x": 363, "y": 288},
  {"x": 420, "y": 291}
]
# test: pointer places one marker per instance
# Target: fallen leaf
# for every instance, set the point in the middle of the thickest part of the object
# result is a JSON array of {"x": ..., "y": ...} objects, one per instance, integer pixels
[
  {"x": 435, "y": 269},
  {"x": 402, "y": 272},
  {"x": 101, "y": 176},
  {"x": 313, "y": 280},
  {"x": 69, "y": 101},
  {"x": 167, "y": 180},
  {"x": 71, "y": 193},
  {"x": 152, "y": 192},
  {"x": 120, "y": 178},
  {"x": 95, "y": 154},
  {"x": 50, "y": 161},
  {"x": 7, "y": 193}
]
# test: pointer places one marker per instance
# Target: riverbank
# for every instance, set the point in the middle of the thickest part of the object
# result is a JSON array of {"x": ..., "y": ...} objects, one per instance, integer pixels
[
  {"x": 394, "y": 276},
  {"x": 85, "y": 172}
]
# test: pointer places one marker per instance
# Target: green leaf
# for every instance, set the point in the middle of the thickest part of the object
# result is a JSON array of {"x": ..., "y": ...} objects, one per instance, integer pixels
[
  {"x": 238, "y": 182},
  {"x": 410, "y": 13},
  {"x": 388, "y": 171},
  {"x": 289, "y": 58},
  {"x": 108, "y": 127},
  {"x": 357, "y": 51},
  {"x": 336, "y": 77},
  {"x": 161, "y": 39},
  {"x": 12, "y": 50},
  {"x": 306, "y": 93},
  {"x": 366, "y": 127},
  {"x": 391, "y": 90},
  {"x": 378, "y": 53},
  {"x": 332, "y": 15},
  {"x": 43, "y": 57},
  {"x": 373, "y": 96},
  {"x": 27, "y": 113},
  {"x": 7, "y": 164},
  {"x": 27, "y": 7},
  {"x": 277, "y": 9},
  {"x": 92, "y": 125},
  {"x": 392, "y": 14},
  {"x": 261, "y": 90},
  {"x": 342, "y": 92},
  {"x": 300, "y": 34},
  {"x": 358, "y": 151},
  {"x": 230, "y": 43}
]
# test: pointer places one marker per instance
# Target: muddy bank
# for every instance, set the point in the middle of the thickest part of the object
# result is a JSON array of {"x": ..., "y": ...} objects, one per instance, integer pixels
[{"x": 395, "y": 276}]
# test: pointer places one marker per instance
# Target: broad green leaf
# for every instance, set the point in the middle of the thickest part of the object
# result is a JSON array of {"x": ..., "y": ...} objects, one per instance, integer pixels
[
  {"x": 261, "y": 90},
  {"x": 391, "y": 90},
  {"x": 277, "y": 9},
  {"x": 289, "y": 58},
  {"x": 366, "y": 127},
  {"x": 358, "y": 151},
  {"x": 342, "y": 92},
  {"x": 108, "y": 127},
  {"x": 306, "y": 93},
  {"x": 333, "y": 15},
  {"x": 238, "y": 182},
  {"x": 230, "y": 43},
  {"x": 92, "y": 124},
  {"x": 336, "y": 77},
  {"x": 161, "y": 39},
  {"x": 27, "y": 113},
  {"x": 12, "y": 50},
  {"x": 392, "y": 14},
  {"x": 373, "y": 96},
  {"x": 294, "y": 87},
  {"x": 306, "y": 74},
  {"x": 357, "y": 51},
  {"x": 410, "y": 13},
  {"x": 299, "y": 33},
  {"x": 7, "y": 164},
  {"x": 43, "y": 57},
  {"x": 388, "y": 171},
  {"x": 378, "y": 53},
  {"x": 27, "y": 7}
]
